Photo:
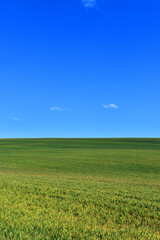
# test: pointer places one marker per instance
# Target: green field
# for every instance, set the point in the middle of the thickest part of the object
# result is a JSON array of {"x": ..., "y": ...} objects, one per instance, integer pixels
[{"x": 79, "y": 189}]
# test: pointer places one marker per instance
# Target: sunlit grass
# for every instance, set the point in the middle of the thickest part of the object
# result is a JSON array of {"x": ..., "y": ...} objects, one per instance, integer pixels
[{"x": 80, "y": 189}]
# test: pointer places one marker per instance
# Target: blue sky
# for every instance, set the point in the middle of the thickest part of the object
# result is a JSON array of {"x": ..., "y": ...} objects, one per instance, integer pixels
[{"x": 79, "y": 68}]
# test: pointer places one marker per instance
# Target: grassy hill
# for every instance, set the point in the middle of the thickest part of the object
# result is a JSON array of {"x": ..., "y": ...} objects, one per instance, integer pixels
[{"x": 79, "y": 188}]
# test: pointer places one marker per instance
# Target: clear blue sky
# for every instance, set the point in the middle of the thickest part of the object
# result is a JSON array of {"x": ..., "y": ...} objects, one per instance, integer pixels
[{"x": 79, "y": 68}]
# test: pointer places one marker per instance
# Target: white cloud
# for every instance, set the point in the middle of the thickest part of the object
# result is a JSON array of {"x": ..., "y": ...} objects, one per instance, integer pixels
[
  {"x": 55, "y": 109},
  {"x": 15, "y": 119},
  {"x": 89, "y": 3},
  {"x": 58, "y": 109},
  {"x": 105, "y": 106},
  {"x": 111, "y": 105}
]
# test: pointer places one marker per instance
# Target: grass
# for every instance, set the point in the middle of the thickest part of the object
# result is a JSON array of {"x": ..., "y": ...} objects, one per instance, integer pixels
[{"x": 79, "y": 189}]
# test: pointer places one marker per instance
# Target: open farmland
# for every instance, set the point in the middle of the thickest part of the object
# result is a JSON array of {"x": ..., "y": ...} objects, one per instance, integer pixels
[{"x": 79, "y": 189}]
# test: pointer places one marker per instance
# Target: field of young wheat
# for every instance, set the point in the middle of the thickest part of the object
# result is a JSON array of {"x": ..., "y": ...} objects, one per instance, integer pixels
[{"x": 79, "y": 189}]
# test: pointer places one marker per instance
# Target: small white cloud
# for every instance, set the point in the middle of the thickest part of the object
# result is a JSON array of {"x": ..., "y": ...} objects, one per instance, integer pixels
[
  {"x": 89, "y": 3},
  {"x": 15, "y": 119},
  {"x": 112, "y": 105},
  {"x": 58, "y": 109},
  {"x": 55, "y": 109},
  {"x": 105, "y": 106}
]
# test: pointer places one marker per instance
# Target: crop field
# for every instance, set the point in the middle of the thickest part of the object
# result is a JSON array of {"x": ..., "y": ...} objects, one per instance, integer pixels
[{"x": 79, "y": 189}]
